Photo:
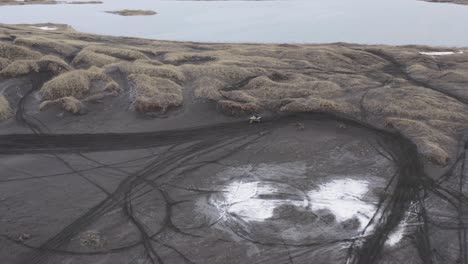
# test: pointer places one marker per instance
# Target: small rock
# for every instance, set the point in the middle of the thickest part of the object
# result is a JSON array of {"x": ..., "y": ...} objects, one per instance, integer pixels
[{"x": 24, "y": 237}]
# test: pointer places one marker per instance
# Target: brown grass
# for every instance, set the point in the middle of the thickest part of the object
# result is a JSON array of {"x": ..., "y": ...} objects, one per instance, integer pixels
[
  {"x": 47, "y": 63},
  {"x": 429, "y": 141},
  {"x": 155, "y": 94},
  {"x": 316, "y": 105},
  {"x": 20, "y": 68},
  {"x": 87, "y": 58},
  {"x": 46, "y": 46},
  {"x": 121, "y": 53},
  {"x": 236, "y": 108},
  {"x": 371, "y": 84},
  {"x": 53, "y": 64},
  {"x": 139, "y": 67},
  {"x": 69, "y": 104},
  {"x": 113, "y": 88},
  {"x": 75, "y": 83},
  {"x": 5, "y": 110},
  {"x": 210, "y": 80},
  {"x": 13, "y": 52},
  {"x": 3, "y": 63}
]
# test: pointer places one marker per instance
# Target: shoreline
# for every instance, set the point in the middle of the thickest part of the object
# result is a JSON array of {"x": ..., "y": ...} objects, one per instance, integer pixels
[{"x": 109, "y": 130}]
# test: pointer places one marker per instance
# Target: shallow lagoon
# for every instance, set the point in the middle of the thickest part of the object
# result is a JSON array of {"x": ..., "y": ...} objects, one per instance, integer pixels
[{"x": 293, "y": 21}]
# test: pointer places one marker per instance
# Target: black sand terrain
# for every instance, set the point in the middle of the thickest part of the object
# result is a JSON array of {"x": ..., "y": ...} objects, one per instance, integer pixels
[{"x": 122, "y": 150}]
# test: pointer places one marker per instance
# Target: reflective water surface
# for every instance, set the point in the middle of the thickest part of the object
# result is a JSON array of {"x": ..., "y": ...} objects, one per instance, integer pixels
[{"x": 286, "y": 21}]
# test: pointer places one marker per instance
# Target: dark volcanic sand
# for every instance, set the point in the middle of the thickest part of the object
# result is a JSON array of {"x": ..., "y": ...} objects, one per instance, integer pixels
[
  {"x": 351, "y": 180},
  {"x": 196, "y": 198}
]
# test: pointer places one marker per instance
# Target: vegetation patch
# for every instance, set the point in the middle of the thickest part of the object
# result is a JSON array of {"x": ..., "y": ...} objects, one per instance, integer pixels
[
  {"x": 142, "y": 67},
  {"x": 3, "y": 63},
  {"x": 46, "y": 46},
  {"x": 48, "y": 63},
  {"x": 152, "y": 94},
  {"x": 87, "y": 58},
  {"x": 396, "y": 89},
  {"x": 69, "y": 104},
  {"x": 121, "y": 53},
  {"x": 75, "y": 83},
  {"x": 14, "y": 52},
  {"x": 5, "y": 110}
]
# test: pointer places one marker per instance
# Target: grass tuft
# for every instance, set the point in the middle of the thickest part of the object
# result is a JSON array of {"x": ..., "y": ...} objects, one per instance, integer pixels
[
  {"x": 75, "y": 83},
  {"x": 69, "y": 104},
  {"x": 47, "y": 63},
  {"x": 155, "y": 94},
  {"x": 13, "y": 52},
  {"x": 5, "y": 109},
  {"x": 47, "y": 46},
  {"x": 139, "y": 67},
  {"x": 121, "y": 53},
  {"x": 87, "y": 58}
]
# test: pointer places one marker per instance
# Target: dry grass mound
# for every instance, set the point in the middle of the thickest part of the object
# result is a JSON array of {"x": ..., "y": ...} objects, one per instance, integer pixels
[
  {"x": 129, "y": 12},
  {"x": 264, "y": 88},
  {"x": 5, "y": 110},
  {"x": 47, "y": 46},
  {"x": 211, "y": 80},
  {"x": 3, "y": 63},
  {"x": 178, "y": 58},
  {"x": 75, "y": 83},
  {"x": 155, "y": 94},
  {"x": 47, "y": 63},
  {"x": 317, "y": 105},
  {"x": 53, "y": 64},
  {"x": 233, "y": 108},
  {"x": 87, "y": 58},
  {"x": 13, "y": 52},
  {"x": 69, "y": 104},
  {"x": 142, "y": 67},
  {"x": 430, "y": 141},
  {"x": 20, "y": 68},
  {"x": 121, "y": 53}
]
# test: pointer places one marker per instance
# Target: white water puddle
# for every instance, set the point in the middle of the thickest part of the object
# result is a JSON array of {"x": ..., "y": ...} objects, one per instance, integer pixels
[
  {"x": 440, "y": 53},
  {"x": 345, "y": 199},
  {"x": 259, "y": 194},
  {"x": 256, "y": 201},
  {"x": 247, "y": 199}
]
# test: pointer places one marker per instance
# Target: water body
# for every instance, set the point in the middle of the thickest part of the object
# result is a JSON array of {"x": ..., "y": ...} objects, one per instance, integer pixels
[{"x": 392, "y": 22}]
